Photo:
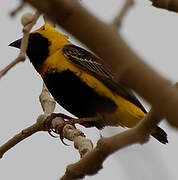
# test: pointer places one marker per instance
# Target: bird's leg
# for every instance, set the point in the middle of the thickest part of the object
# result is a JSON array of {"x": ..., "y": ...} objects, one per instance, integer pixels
[{"x": 86, "y": 122}]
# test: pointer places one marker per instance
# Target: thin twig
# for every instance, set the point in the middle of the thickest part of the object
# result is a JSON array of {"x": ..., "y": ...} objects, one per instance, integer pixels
[
  {"x": 21, "y": 57},
  {"x": 47, "y": 102},
  {"x": 16, "y": 10},
  {"x": 48, "y": 105},
  {"x": 117, "y": 21},
  {"x": 81, "y": 143},
  {"x": 38, "y": 126},
  {"x": 28, "y": 20}
]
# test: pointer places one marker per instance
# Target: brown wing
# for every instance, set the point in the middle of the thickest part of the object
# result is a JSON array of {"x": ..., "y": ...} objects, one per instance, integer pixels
[{"x": 91, "y": 63}]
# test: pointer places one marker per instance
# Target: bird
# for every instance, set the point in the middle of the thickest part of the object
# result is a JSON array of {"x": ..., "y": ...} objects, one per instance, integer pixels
[{"x": 81, "y": 84}]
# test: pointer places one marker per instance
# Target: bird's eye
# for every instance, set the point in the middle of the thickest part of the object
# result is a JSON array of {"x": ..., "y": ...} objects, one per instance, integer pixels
[{"x": 43, "y": 28}]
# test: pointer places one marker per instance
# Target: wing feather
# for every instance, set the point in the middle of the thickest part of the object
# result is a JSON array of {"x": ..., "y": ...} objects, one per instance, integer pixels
[{"x": 91, "y": 63}]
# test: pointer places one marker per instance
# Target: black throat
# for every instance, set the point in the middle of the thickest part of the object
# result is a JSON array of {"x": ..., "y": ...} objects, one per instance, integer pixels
[{"x": 38, "y": 49}]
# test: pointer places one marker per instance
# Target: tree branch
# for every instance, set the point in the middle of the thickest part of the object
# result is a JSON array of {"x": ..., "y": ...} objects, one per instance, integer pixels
[
  {"x": 28, "y": 20},
  {"x": 117, "y": 21},
  {"x": 16, "y": 10},
  {"x": 171, "y": 5},
  {"x": 92, "y": 162},
  {"x": 38, "y": 126}
]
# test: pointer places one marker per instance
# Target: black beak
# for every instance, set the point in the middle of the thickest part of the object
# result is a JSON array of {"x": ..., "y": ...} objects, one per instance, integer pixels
[{"x": 16, "y": 43}]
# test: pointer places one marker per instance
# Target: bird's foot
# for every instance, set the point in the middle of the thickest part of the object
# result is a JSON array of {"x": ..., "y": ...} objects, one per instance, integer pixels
[
  {"x": 59, "y": 128},
  {"x": 86, "y": 122}
]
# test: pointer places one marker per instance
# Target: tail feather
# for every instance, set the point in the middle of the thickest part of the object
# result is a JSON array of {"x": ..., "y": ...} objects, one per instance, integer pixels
[{"x": 160, "y": 135}]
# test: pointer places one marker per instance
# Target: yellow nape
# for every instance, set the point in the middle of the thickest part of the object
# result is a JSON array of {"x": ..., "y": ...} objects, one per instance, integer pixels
[{"x": 56, "y": 39}]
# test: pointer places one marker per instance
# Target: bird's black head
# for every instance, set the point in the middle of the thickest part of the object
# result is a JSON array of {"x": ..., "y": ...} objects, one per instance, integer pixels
[
  {"x": 42, "y": 43},
  {"x": 37, "y": 49}
]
